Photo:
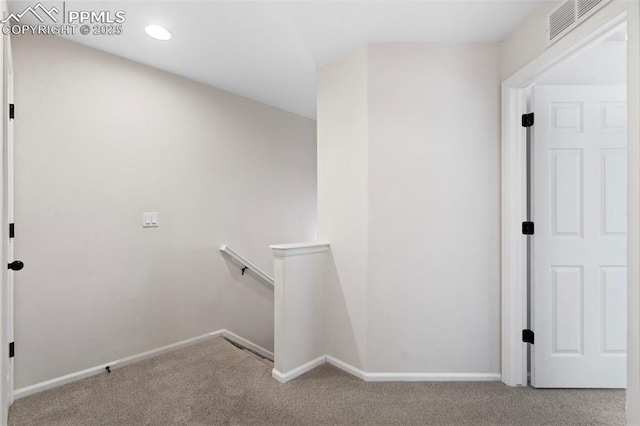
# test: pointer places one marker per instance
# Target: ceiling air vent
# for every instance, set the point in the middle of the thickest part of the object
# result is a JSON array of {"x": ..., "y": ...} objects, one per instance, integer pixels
[{"x": 568, "y": 15}]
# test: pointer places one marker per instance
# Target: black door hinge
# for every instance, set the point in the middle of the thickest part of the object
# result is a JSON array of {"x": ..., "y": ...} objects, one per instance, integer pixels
[
  {"x": 527, "y": 228},
  {"x": 528, "y": 336},
  {"x": 12, "y": 111},
  {"x": 12, "y": 230},
  {"x": 11, "y": 349},
  {"x": 16, "y": 265},
  {"x": 527, "y": 120}
]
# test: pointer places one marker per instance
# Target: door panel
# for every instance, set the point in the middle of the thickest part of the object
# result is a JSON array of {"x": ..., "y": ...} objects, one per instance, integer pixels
[
  {"x": 566, "y": 197},
  {"x": 579, "y": 248},
  {"x": 614, "y": 200},
  {"x": 567, "y": 325}
]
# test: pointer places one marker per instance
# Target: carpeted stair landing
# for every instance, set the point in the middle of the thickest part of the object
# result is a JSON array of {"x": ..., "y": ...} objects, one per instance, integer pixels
[{"x": 214, "y": 383}]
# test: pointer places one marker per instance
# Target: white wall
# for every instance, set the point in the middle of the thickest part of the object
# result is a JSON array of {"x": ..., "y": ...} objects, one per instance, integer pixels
[
  {"x": 526, "y": 42},
  {"x": 408, "y": 151},
  {"x": 343, "y": 201},
  {"x": 434, "y": 290},
  {"x": 605, "y": 64},
  {"x": 99, "y": 140}
]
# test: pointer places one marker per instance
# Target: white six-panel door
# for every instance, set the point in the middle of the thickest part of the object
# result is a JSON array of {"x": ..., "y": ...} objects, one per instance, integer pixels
[{"x": 579, "y": 274}]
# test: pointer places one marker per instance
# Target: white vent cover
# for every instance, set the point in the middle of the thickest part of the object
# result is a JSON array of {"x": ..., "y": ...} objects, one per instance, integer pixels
[{"x": 568, "y": 15}]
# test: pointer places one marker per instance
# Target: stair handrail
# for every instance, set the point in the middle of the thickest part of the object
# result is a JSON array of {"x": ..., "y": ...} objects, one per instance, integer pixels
[{"x": 246, "y": 264}]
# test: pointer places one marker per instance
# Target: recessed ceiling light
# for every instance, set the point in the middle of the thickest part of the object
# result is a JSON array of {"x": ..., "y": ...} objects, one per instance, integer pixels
[{"x": 157, "y": 32}]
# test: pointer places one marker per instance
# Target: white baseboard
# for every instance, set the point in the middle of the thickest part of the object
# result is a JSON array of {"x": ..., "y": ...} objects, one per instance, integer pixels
[
  {"x": 59, "y": 381},
  {"x": 247, "y": 344},
  {"x": 285, "y": 377},
  {"x": 432, "y": 377},
  {"x": 354, "y": 371},
  {"x": 412, "y": 377}
]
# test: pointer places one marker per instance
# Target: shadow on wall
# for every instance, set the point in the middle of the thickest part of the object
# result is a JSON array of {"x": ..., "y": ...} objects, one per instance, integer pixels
[
  {"x": 341, "y": 337},
  {"x": 246, "y": 300}
]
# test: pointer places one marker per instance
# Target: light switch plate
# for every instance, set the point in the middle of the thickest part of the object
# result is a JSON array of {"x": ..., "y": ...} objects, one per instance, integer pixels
[{"x": 150, "y": 220}]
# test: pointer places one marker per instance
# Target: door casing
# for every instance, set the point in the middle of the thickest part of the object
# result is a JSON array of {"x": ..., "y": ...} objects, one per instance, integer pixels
[
  {"x": 6, "y": 209},
  {"x": 514, "y": 245},
  {"x": 6, "y": 200}
]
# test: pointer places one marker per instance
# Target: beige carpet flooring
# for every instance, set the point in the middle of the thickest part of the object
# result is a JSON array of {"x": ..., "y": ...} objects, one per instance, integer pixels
[{"x": 215, "y": 383}]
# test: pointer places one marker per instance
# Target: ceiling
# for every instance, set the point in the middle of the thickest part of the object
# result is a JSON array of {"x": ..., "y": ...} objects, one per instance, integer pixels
[{"x": 269, "y": 50}]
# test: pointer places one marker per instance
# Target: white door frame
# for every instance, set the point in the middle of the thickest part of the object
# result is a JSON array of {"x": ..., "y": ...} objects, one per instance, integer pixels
[
  {"x": 514, "y": 249},
  {"x": 6, "y": 248},
  {"x": 5, "y": 392},
  {"x": 8, "y": 209}
]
